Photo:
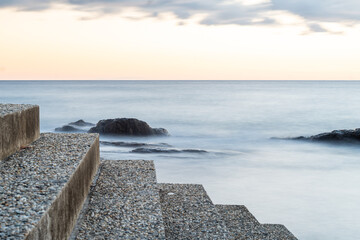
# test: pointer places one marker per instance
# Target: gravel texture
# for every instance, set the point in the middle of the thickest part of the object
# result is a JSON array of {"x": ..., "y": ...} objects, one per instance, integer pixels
[
  {"x": 124, "y": 203},
  {"x": 31, "y": 179},
  {"x": 188, "y": 213},
  {"x": 278, "y": 232},
  {"x": 243, "y": 225},
  {"x": 11, "y": 108}
]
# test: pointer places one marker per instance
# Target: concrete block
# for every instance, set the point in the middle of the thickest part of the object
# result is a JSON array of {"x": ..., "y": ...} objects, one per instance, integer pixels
[
  {"x": 59, "y": 221},
  {"x": 43, "y": 187},
  {"x": 19, "y": 126}
]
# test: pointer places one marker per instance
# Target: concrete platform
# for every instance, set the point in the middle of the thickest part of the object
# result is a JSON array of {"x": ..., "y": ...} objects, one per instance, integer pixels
[
  {"x": 43, "y": 187},
  {"x": 188, "y": 213},
  {"x": 19, "y": 126},
  {"x": 124, "y": 203}
]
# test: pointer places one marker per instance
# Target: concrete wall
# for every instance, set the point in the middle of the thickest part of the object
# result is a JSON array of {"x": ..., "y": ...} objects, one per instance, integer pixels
[
  {"x": 59, "y": 220},
  {"x": 18, "y": 129}
]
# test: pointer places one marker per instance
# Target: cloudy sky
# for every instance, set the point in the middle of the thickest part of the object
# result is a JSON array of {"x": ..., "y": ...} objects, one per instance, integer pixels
[{"x": 180, "y": 39}]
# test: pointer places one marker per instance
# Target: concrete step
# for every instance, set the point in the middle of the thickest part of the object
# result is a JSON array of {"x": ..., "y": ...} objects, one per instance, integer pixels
[
  {"x": 43, "y": 186},
  {"x": 19, "y": 126},
  {"x": 188, "y": 213},
  {"x": 278, "y": 232},
  {"x": 243, "y": 225},
  {"x": 124, "y": 203}
]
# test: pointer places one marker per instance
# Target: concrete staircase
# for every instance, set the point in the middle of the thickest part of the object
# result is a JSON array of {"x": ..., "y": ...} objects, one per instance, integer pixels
[
  {"x": 125, "y": 202},
  {"x": 242, "y": 225},
  {"x": 53, "y": 186}
]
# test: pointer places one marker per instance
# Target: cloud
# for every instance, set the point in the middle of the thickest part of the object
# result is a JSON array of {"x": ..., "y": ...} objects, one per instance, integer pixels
[
  {"x": 28, "y": 5},
  {"x": 217, "y": 12},
  {"x": 314, "y": 27},
  {"x": 322, "y": 10}
]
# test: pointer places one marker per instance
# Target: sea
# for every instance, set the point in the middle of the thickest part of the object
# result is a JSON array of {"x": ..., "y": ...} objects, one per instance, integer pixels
[{"x": 312, "y": 188}]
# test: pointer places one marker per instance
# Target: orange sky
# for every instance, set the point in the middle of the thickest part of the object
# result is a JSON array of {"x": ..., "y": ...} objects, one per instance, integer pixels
[{"x": 63, "y": 43}]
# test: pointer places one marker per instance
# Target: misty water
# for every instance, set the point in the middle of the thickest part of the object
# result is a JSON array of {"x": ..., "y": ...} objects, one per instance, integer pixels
[{"x": 311, "y": 188}]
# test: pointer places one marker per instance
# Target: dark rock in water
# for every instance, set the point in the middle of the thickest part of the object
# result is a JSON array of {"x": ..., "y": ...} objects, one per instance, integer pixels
[
  {"x": 344, "y": 136},
  {"x": 68, "y": 128},
  {"x": 127, "y": 126},
  {"x": 338, "y": 135},
  {"x": 160, "y": 131},
  {"x": 81, "y": 123},
  {"x": 134, "y": 144},
  {"x": 162, "y": 150}
]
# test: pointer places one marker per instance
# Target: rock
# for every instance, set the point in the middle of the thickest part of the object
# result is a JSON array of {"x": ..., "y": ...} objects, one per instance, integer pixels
[
  {"x": 71, "y": 127},
  {"x": 68, "y": 128},
  {"x": 339, "y": 135},
  {"x": 127, "y": 126},
  {"x": 134, "y": 144},
  {"x": 81, "y": 123},
  {"x": 345, "y": 136},
  {"x": 162, "y": 150}
]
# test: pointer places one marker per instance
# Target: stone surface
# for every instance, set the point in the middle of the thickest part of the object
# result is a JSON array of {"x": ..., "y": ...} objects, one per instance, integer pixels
[
  {"x": 42, "y": 187},
  {"x": 126, "y": 126},
  {"x": 19, "y": 126},
  {"x": 188, "y": 213},
  {"x": 6, "y": 109},
  {"x": 124, "y": 203},
  {"x": 242, "y": 225},
  {"x": 278, "y": 232}
]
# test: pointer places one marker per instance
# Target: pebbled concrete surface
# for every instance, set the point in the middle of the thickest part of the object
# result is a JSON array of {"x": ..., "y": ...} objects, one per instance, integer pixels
[
  {"x": 188, "y": 213},
  {"x": 124, "y": 203},
  {"x": 42, "y": 187},
  {"x": 242, "y": 225},
  {"x": 19, "y": 126}
]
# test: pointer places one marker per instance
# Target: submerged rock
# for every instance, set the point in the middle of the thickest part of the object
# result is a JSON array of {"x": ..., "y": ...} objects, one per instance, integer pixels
[
  {"x": 81, "y": 123},
  {"x": 344, "y": 136},
  {"x": 127, "y": 126},
  {"x": 68, "y": 128},
  {"x": 72, "y": 127},
  {"x": 162, "y": 150},
  {"x": 134, "y": 144}
]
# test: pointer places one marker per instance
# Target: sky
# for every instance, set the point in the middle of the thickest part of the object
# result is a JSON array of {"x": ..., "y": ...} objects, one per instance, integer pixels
[{"x": 179, "y": 39}]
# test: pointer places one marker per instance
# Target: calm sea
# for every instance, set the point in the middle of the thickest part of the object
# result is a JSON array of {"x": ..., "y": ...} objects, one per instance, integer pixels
[{"x": 311, "y": 188}]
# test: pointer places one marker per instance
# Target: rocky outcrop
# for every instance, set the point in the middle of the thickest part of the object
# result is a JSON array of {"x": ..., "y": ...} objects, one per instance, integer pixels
[
  {"x": 342, "y": 136},
  {"x": 127, "y": 126},
  {"x": 68, "y": 128},
  {"x": 81, "y": 123},
  {"x": 78, "y": 126}
]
